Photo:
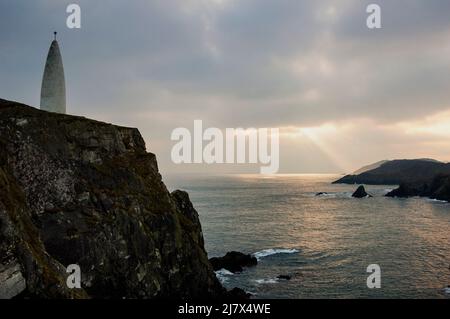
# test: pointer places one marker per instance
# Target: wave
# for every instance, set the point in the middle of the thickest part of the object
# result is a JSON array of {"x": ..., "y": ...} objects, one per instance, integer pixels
[
  {"x": 436, "y": 200},
  {"x": 332, "y": 195},
  {"x": 272, "y": 251},
  {"x": 447, "y": 290},
  {"x": 267, "y": 281},
  {"x": 222, "y": 275}
]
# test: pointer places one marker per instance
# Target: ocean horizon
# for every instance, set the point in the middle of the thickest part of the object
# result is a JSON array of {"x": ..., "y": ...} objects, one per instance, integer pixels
[
  {"x": 220, "y": 158},
  {"x": 323, "y": 243}
]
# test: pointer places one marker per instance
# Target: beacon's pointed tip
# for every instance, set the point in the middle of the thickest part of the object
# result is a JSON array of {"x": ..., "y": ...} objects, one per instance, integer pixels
[{"x": 53, "y": 89}]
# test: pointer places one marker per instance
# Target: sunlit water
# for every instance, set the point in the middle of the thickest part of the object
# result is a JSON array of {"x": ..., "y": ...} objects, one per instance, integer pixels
[{"x": 327, "y": 241}]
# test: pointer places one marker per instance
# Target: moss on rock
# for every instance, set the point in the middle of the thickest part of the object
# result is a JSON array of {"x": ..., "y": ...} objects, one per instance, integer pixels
[{"x": 74, "y": 190}]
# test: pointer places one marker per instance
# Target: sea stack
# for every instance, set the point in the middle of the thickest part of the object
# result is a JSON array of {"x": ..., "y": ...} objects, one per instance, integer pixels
[
  {"x": 361, "y": 193},
  {"x": 53, "y": 90}
]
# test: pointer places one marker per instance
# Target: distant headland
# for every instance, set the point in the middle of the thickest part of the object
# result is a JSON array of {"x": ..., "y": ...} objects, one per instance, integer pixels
[{"x": 415, "y": 177}]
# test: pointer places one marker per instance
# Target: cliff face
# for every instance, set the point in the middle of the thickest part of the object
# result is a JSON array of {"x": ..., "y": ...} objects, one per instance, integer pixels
[{"x": 77, "y": 191}]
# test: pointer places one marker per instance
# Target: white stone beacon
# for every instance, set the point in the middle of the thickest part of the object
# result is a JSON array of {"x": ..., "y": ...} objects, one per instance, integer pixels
[{"x": 53, "y": 90}]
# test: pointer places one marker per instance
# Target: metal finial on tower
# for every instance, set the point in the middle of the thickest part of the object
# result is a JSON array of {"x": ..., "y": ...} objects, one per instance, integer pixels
[{"x": 54, "y": 34}]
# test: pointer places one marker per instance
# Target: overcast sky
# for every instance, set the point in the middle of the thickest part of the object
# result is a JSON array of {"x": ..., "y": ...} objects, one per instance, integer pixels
[{"x": 342, "y": 95}]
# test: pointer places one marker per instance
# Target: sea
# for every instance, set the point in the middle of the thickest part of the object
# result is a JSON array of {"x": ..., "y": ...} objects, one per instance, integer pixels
[{"x": 326, "y": 242}]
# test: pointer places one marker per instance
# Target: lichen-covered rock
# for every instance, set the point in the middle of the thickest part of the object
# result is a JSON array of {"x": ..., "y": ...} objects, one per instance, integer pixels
[{"x": 78, "y": 191}]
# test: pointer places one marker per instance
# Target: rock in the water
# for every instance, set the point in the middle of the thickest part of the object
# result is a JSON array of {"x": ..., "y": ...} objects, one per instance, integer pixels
[
  {"x": 321, "y": 193},
  {"x": 284, "y": 277},
  {"x": 360, "y": 193},
  {"x": 233, "y": 261},
  {"x": 78, "y": 191},
  {"x": 438, "y": 188},
  {"x": 407, "y": 190}
]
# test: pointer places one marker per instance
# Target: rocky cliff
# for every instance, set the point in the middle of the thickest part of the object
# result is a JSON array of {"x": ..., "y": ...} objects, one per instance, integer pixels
[
  {"x": 78, "y": 191},
  {"x": 438, "y": 188}
]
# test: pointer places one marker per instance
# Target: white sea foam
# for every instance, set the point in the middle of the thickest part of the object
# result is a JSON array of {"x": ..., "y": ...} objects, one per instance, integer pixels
[
  {"x": 436, "y": 200},
  {"x": 272, "y": 251},
  {"x": 266, "y": 281},
  {"x": 332, "y": 195},
  {"x": 447, "y": 290},
  {"x": 222, "y": 275}
]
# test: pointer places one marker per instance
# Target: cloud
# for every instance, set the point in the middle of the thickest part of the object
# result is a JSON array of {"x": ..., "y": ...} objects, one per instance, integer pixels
[{"x": 161, "y": 64}]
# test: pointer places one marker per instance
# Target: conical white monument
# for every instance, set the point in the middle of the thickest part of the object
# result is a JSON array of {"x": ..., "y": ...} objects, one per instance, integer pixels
[{"x": 53, "y": 90}]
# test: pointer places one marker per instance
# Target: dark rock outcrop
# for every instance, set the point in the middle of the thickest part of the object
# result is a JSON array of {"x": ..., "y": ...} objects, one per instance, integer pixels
[
  {"x": 78, "y": 191},
  {"x": 408, "y": 190},
  {"x": 438, "y": 188},
  {"x": 397, "y": 172},
  {"x": 233, "y": 261},
  {"x": 360, "y": 193},
  {"x": 321, "y": 194},
  {"x": 284, "y": 277},
  {"x": 238, "y": 294}
]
